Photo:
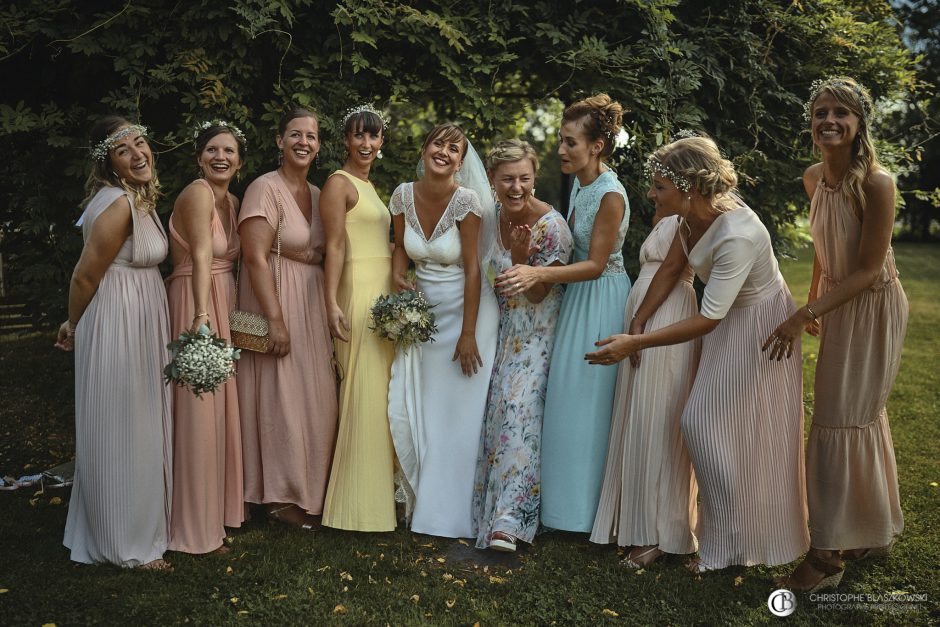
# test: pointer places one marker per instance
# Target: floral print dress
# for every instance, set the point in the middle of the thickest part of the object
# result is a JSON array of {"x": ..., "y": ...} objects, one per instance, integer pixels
[{"x": 506, "y": 490}]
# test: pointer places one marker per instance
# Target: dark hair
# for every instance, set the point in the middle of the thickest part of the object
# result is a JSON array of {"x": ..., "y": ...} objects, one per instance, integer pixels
[
  {"x": 293, "y": 114},
  {"x": 447, "y": 132},
  {"x": 102, "y": 172},
  {"x": 600, "y": 118},
  {"x": 217, "y": 129},
  {"x": 363, "y": 122}
]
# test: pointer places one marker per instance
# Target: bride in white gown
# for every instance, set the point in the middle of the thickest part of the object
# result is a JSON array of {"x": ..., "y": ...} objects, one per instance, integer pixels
[{"x": 437, "y": 392}]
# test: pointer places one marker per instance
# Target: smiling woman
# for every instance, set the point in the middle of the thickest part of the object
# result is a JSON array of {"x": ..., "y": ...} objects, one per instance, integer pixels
[
  {"x": 119, "y": 512},
  {"x": 207, "y": 460}
]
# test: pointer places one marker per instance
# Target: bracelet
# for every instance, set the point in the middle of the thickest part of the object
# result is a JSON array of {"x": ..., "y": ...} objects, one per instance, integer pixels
[
  {"x": 70, "y": 329},
  {"x": 811, "y": 312},
  {"x": 200, "y": 315}
]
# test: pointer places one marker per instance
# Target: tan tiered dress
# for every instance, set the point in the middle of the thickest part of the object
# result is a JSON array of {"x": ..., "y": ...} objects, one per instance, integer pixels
[
  {"x": 852, "y": 479},
  {"x": 208, "y": 492}
]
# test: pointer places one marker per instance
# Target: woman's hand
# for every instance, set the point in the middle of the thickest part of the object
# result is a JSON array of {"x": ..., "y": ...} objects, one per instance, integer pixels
[
  {"x": 615, "y": 349},
  {"x": 518, "y": 279},
  {"x": 198, "y": 321},
  {"x": 401, "y": 283},
  {"x": 636, "y": 328},
  {"x": 467, "y": 353},
  {"x": 520, "y": 246},
  {"x": 339, "y": 326},
  {"x": 278, "y": 338},
  {"x": 65, "y": 338},
  {"x": 783, "y": 338}
]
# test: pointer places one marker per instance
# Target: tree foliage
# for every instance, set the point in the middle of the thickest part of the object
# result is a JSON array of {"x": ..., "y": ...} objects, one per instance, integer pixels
[{"x": 737, "y": 69}]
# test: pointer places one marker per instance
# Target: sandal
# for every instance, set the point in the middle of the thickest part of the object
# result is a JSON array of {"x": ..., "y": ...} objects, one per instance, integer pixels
[
  {"x": 159, "y": 565},
  {"x": 697, "y": 566},
  {"x": 828, "y": 574},
  {"x": 503, "y": 542},
  {"x": 638, "y": 560},
  {"x": 306, "y": 525}
]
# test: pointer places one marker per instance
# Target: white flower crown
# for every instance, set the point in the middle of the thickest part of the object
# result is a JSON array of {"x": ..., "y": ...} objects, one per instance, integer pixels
[
  {"x": 834, "y": 81},
  {"x": 101, "y": 149},
  {"x": 237, "y": 132},
  {"x": 366, "y": 108},
  {"x": 655, "y": 166}
]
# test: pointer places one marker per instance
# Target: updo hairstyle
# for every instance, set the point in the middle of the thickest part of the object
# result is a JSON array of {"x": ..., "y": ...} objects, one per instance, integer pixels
[
  {"x": 698, "y": 160},
  {"x": 600, "y": 117},
  {"x": 510, "y": 151},
  {"x": 293, "y": 114},
  {"x": 447, "y": 132}
]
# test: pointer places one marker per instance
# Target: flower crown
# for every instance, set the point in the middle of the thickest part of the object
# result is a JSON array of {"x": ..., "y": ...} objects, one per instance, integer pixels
[
  {"x": 821, "y": 84},
  {"x": 366, "y": 108},
  {"x": 655, "y": 166},
  {"x": 237, "y": 132},
  {"x": 685, "y": 133},
  {"x": 101, "y": 149}
]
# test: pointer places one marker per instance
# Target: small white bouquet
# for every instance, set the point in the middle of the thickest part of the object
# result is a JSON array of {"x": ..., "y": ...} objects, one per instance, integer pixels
[
  {"x": 404, "y": 318},
  {"x": 200, "y": 361}
]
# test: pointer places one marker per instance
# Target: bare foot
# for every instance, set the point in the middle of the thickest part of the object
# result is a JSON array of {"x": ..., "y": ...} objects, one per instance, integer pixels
[{"x": 159, "y": 565}]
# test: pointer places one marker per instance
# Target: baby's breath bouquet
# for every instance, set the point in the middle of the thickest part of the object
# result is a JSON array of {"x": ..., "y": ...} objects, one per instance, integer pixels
[
  {"x": 404, "y": 318},
  {"x": 200, "y": 361}
]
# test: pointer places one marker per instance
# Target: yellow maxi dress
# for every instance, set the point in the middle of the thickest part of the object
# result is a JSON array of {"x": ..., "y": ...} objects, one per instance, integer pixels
[{"x": 361, "y": 492}]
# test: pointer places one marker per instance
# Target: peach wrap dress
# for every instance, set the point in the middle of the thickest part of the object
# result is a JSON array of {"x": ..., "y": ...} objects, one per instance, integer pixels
[
  {"x": 208, "y": 489},
  {"x": 288, "y": 404},
  {"x": 852, "y": 477}
]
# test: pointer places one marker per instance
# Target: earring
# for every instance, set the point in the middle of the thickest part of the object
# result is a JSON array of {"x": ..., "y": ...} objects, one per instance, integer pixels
[
  {"x": 689, "y": 198},
  {"x": 280, "y": 158},
  {"x": 378, "y": 154},
  {"x": 316, "y": 161},
  {"x": 238, "y": 175}
]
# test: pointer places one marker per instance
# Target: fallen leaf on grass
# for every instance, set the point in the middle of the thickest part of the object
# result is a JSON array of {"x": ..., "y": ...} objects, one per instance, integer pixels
[
  {"x": 388, "y": 581},
  {"x": 340, "y": 609},
  {"x": 55, "y": 501},
  {"x": 243, "y": 612},
  {"x": 495, "y": 579},
  {"x": 229, "y": 570},
  {"x": 414, "y": 598},
  {"x": 345, "y": 576},
  {"x": 4, "y": 590},
  {"x": 639, "y": 571},
  {"x": 278, "y": 597},
  {"x": 345, "y": 588},
  {"x": 450, "y": 603},
  {"x": 607, "y": 612},
  {"x": 463, "y": 542},
  {"x": 233, "y": 600},
  {"x": 441, "y": 560},
  {"x": 48, "y": 625},
  {"x": 324, "y": 569},
  {"x": 934, "y": 484},
  {"x": 738, "y": 581},
  {"x": 371, "y": 580},
  {"x": 311, "y": 590},
  {"x": 445, "y": 577}
]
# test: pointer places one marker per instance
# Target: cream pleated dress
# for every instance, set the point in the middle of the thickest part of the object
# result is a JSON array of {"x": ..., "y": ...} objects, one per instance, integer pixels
[
  {"x": 120, "y": 506},
  {"x": 852, "y": 475},
  {"x": 649, "y": 492},
  {"x": 743, "y": 422}
]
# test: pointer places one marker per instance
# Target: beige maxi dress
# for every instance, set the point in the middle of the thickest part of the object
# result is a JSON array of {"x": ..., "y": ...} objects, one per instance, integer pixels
[
  {"x": 208, "y": 489},
  {"x": 288, "y": 404},
  {"x": 852, "y": 478},
  {"x": 649, "y": 492}
]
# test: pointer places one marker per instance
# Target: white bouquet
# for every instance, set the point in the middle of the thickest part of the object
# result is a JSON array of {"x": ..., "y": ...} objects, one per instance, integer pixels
[
  {"x": 200, "y": 361},
  {"x": 404, "y": 318}
]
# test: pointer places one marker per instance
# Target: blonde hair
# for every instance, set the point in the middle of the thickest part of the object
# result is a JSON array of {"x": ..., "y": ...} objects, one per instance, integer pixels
[
  {"x": 103, "y": 175},
  {"x": 510, "y": 151},
  {"x": 855, "y": 97},
  {"x": 698, "y": 160},
  {"x": 600, "y": 117}
]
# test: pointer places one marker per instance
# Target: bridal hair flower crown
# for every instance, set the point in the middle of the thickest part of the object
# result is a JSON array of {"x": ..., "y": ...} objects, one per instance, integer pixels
[
  {"x": 366, "y": 108},
  {"x": 655, "y": 166},
  {"x": 821, "y": 84},
  {"x": 101, "y": 149},
  {"x": 237, "y": 132}
]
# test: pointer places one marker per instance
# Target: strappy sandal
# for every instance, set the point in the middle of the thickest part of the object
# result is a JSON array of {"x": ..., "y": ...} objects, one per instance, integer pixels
[
  {"x": 158, "y": 565},
  {"x": 501, "y": 541},
  {"x": 830, "y": 574},
  {"x": 306, "y": 526},
  {"x": 698, "y": 567},
  {"x": 638, "y": 561}
]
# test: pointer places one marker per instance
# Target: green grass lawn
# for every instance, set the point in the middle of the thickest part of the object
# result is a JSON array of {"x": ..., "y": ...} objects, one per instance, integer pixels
[{"x": 276, "y": 575}]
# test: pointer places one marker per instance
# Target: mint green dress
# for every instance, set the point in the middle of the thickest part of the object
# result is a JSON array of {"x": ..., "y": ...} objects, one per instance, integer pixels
[{"x": 579, "y": 399}]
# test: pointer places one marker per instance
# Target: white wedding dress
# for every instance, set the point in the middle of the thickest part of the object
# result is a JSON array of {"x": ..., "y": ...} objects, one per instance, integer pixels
[{"x": 435, "y": 411}]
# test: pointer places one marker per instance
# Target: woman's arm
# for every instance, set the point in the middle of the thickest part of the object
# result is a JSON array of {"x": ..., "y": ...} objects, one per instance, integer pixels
[
  {"x": 193, "y": 212},
  {"x": 617, "y": 347},
  {"x": 520, "y": 249},
  {"x": 108, "y": 233},
  {"x": 466, "y": 350},
  {"x": 257, "y": 236},
  {"x": 521, "y": 278},
  {"x": 877, "y": 226},
  {"x": 400, "y": 280},
  {"x": 337, "y": 198}
]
